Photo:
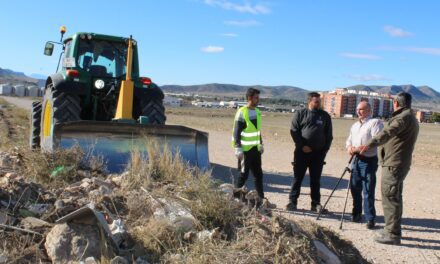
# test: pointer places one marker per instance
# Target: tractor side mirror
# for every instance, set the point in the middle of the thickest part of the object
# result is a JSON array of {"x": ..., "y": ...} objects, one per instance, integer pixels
[{"x": 48, "y": 49}]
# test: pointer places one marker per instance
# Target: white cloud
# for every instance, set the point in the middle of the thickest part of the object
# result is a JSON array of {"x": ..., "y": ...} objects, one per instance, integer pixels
[
  {"x": 229, "y": 35},
  {"x": 421, "y": 50},
  {"x": 213, "y": 49},
  {"x": 362, "y": 56},
  {"x": 367, "y": 77},
  {"x": 246, "y": 7},
  {"x": 242, "y": 23},
  {"x": 429, "y": 51},
  {"x": 397, "y": 32}
]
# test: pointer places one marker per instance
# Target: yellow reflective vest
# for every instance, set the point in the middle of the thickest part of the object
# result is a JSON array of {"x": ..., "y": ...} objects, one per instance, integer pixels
[{"x": 251, "y": 135}]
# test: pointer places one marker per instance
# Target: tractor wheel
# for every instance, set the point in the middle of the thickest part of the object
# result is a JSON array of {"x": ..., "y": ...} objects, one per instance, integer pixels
[
  {"x": 155, "y": 111},
  {"x": 35, "y": 122},
  {"x": 58, "y": 107}
]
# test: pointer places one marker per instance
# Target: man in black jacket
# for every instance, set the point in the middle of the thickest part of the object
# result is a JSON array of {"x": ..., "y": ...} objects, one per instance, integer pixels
[{"x": 311, "y": 131}]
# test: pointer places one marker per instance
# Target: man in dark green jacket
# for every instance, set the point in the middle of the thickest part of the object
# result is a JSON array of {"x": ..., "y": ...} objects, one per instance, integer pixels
[{"x": 396, "y": 144}]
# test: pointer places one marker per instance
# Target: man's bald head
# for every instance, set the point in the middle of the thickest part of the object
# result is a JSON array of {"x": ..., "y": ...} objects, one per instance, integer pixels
[{"x": 363, "y": 110}]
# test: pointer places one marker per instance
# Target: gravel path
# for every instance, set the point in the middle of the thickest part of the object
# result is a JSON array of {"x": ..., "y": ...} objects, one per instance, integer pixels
[
  {"x": 421, "y": 223},
  {"x": 22, "y": 102}
]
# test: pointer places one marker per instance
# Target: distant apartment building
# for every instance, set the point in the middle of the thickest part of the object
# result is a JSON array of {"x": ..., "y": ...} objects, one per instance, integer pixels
[
  {"x": 342, "y": 102},
  {"x": 423, "y": 116}
]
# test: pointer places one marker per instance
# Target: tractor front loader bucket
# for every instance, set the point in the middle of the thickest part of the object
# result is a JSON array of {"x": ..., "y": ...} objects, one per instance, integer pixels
[{"x": 115, "y": 142}]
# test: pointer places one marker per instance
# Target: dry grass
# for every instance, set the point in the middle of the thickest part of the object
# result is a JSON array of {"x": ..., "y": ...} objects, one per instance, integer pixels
[
  {"x": 14, "y": 126},
  {"x": 246, "y": 235},
  {"x": 61, "y": 167}
]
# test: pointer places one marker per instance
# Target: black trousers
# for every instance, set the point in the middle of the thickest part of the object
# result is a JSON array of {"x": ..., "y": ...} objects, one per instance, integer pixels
[
  {"x": 313, "y": 161},
  {"x": 251, "y": 162}
]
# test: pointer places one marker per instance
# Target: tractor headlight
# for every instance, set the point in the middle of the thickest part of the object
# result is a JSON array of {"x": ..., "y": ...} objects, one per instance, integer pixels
[
  {"x": 99, "y": 84},
  {"x": 89, "y": 37}
]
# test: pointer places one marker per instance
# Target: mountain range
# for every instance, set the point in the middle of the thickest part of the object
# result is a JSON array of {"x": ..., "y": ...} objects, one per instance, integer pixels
[
  {"x": 13, "y": 77},
  {"x": 423, "y": 96}
]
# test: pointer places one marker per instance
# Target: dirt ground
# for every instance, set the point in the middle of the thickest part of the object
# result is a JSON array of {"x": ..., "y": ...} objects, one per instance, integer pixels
[{"x": 421, "y": 223}]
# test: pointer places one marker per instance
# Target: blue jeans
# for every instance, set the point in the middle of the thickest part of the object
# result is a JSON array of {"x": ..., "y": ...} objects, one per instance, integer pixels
[{"x": 363, "y": 180}]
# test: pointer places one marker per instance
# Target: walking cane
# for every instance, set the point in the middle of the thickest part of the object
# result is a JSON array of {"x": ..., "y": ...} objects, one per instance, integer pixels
[
  {"x": 347, "y": 168},
  {"x": 346, "y": 198}
]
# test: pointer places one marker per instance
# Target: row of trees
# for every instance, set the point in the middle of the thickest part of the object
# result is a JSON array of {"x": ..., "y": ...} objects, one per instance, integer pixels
[{"x": 435, "y": 117}]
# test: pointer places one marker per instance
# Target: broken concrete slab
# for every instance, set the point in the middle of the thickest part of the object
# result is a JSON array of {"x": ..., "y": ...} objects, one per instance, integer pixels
[
  {"x": 67, "y": 242},
  {"x": 326, "y": 254}
]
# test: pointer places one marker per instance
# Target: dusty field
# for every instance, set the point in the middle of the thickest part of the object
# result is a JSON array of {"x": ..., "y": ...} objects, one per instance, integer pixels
[{"x": 421, "y": 224}]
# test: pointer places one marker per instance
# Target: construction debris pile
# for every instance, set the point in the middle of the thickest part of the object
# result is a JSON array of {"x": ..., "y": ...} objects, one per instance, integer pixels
[{"x": 155, "y": 218}]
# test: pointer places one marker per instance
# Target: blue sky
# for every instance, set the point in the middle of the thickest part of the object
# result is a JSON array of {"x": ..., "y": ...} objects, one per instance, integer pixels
[{"x": 316, "y": 45}]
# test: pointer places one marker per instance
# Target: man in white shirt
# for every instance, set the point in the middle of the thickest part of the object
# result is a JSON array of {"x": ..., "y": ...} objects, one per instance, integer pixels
[{"x": 363, "y": 177}]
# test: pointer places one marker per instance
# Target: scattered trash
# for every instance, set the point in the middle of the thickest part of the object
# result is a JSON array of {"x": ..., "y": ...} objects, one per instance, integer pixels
[
  {"x": 97, "y": 220},
  {"x": 56, "y": 171}
]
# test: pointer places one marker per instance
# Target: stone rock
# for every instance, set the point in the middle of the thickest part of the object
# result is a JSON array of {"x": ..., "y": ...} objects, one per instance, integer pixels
[
  {"x": 140, "y": 260},
  {"x": 59, "y": 204},
  {"x": 85, "y": 185},
  {"x": 11, "y": 175},
  {"x": 119, "y": 260},
  {"x": 90, "y": 260},
  {"x": 66, "y": 243},
  {"x": 38, "y": 209},
  {"x": 101, "y": 182},
  {"x": 117, "y": 180},
  {"x": 105, "y": 190},
  {"x": 32, "y": 223},
  {"x": 209, "y": 235},
  {"x": 326, "y": 254},
  {"x": 84, "y": 174},
  {"x": 173, "y": 212}
]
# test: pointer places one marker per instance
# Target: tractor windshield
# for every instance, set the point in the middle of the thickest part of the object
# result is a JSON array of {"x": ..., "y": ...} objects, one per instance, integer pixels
[{"x": 102, "y": 58}]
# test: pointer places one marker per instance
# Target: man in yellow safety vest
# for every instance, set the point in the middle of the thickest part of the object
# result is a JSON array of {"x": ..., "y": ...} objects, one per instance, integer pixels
[{"x": 247, "y": 141}]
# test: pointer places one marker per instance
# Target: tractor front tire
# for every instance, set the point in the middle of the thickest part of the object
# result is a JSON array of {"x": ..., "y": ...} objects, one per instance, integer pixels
[
  {"x": 154, "y": 110},
  {"x": 35, "y": 122},
  {"x": 58, "y": 107}
]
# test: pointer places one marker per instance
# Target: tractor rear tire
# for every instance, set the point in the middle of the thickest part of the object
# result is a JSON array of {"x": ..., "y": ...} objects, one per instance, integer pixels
[
  {"x": 35, "y": 122},
  {"x": 154, "y": 110},
  {"x": 58, "y": 107}
]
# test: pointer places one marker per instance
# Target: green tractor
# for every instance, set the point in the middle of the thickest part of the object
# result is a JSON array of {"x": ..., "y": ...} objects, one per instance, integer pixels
[{"x": 97, "y": 93}]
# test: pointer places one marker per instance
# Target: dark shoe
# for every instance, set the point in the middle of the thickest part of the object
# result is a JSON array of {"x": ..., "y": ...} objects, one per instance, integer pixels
[
  {"x": 268, "y": 205},
  {"x": 291, "y": 207},
  {"x": 371, "y": 224},
  {"x": 388, "y": 239},
  {"x": 357, "y": 218},
  {"x": 319, "y": 209}
]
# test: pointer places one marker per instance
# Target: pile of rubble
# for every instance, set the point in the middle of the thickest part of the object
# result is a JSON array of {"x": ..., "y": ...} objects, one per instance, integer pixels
[{"x": 99, "y": 220}]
